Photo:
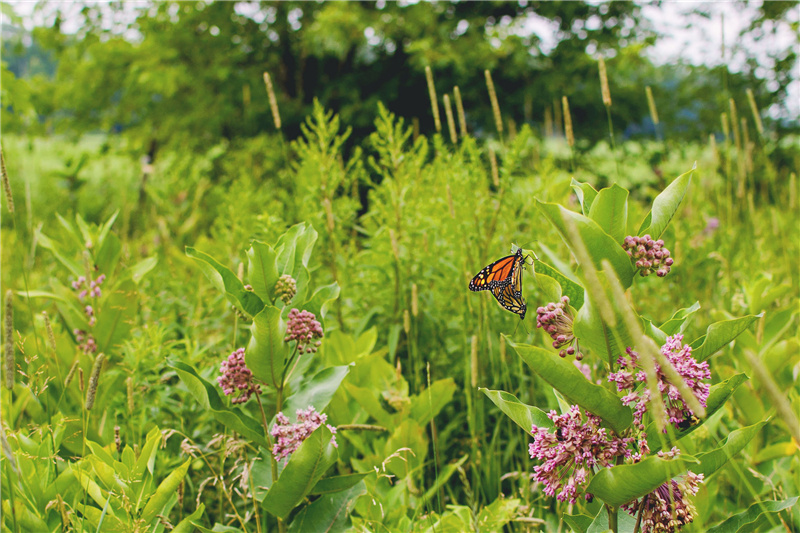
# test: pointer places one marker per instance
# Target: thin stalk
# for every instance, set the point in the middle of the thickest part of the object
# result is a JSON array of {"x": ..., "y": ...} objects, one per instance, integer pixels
[
  {"x": 613, "y": 142},
  {"x": 612, "y": 518},
  {"x": 639, "y": 514}
]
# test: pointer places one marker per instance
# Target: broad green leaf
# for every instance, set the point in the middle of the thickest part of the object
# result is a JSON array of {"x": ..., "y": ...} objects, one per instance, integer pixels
[
  {"x": 140, "y": 269},
  {"x": 107, "y": 256},
  {"x": 116, "y": 317},
  {"x": 568, "y": 287},
  {"x": 585, "y": 193},
  {"x": 717, "y": 396},
  {"x": 610, "y": 211},
  {"x": 75, "y": 267},
  {"x": 592, "y": 332},
  {"x": 86, "y": 233},
  {"x": 444, "y": 476},
  {"x": 330, "y": 512},
  {"x": 599, "y": 244},
  {"x": 294, "y": 251},
  {"x": 775, "y": 451},
  {"x": 266, "y": 353},
  {"x": 304, "y": 469},
  {"x": 165, "y": 490},
  {"x": 262, "y": 270},
  {"x": 429, "y": 402},
  {"x": 338, "y": 483},
  {"x": 676, "y": 323},
  {"x": 719, "y": 334},
  {"x": 185, "y": 525},
  {"x": 226, "y": 281},
  {"x": 712, "y": 461},
  {"x": 623, "y": 483},
  {"x": 317, "y": 391},
  {"x": 497, "y": 514},
  {"x": 563, "y": 376},
  {"x": 319, "y": 302},
  {"x": 147, "y": 455},
  {"x": 525, "y": 416},
  {"x": 666, "y": 205},
  {"x": 747, "y": 520},
  {"x": 208, "y": 397},
  {"x": 101, "y": 236},
  {"x": 578, "y": 522},
  {"x": 625, "y": 522}
]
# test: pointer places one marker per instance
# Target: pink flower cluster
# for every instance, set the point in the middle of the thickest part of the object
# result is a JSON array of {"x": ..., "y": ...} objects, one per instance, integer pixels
[
  {"x": 667, "y": 509},
  {"x": 648, "y": 254},
  {"x": 236, "y": 377},
  {"x": 92, "y": 288},
  {"x": 572, "y": 451},
  {"x": 680, "y": 357},
  {"x": 556, "y": 320},
  {"x": 85, "y": 340},
  {"x": 289, "y": 437},
  {"x": 303, "y": 327}
]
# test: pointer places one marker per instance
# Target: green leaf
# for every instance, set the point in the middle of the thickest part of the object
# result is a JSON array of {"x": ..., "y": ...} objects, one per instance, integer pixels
[
  {"x": 568, "y": 287},
  {"x": 497, "y": 514},
  {"x": 140, "y": 269},
  {"x": 319, "y": 302},
  {"x": 444, "y": 476},
  {"x": 329, "y": 512},
  {"x": 266, "y": 353},
  {"x": 747, "y": 520},
  {"x": 712, "y": 461},
  {"x": 304, "y": 469},
  {"x": 593, "y": 333},
  {"x": 185, "y": 525},
  {"x": 585, "y": 193},
  {"x": 208, "y": 397},
  {"x": 625, "y": 522},
  {"x": 563, "y": 376},
  {"x": 44, "y": 241},
  {"x": 666, "y": 205},
  {"x": 525, "y": 416},
  {"x": 610, "y": 211},
  {"x": 719, "y": 334},
  {"x": 578, "y": 522},
  {"x": 338, "y": 483},
  {"x": 107, "y": 255},
  {"x": 429, "y": 402},
  {"x": 717, "y": 397},
  {"x": 101, "y": 236},
  {"x": 599, "y": 244},
  {"x": 318, "y": 391},
  {"x": 294, "y": 250},
  {"x": 226, "y": 281},
  {"x": 165, "y": 490},
  {"x": 623, "y": 483},
  {"x": 262, "y": 270},
  {"x": 676, "y": 323},
  {"x": 147, "y": 456},
  {"x": 116, "y": 317}
]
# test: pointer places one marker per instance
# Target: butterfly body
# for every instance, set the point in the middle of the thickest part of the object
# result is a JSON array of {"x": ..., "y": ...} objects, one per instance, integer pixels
[{"x": 504, "y": 279}]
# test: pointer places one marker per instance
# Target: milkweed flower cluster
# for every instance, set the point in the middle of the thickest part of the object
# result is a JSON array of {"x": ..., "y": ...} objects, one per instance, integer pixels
[
  {"x": 86, "y": 342},
  {"x": 90, "y": 287},
  {"x": 289, "y": 437},
  {"x": 680, "y": 357},
  {"x": 668, "y": 508},
  {"x": 649, "y": 255},
  {"x": 303, "y": 327},
  {"x": 237, "y": 378},
  {"x": 286, "y": 288},
  {"x": 572, "y": 451},
  {"x": 556, "y": 320}
]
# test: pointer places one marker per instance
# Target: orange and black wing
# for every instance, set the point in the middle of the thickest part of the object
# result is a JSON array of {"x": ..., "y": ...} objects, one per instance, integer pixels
[
  {"x": 497, "y": 274},
  {"x": 510, "y": 295}
]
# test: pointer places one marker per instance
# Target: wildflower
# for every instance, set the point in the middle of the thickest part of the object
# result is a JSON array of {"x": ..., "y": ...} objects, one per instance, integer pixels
[
  {"x": 237, "y": 377},
  {"x": 556, "y": 320},
  {"x": 711, "y": 226},
  {"x": 572, "y": 451},
  {"x": 289, "y": 437},
  {"x": 286, "y": 288},
  {"x": 648, "y": 255},
  {"x": 680, "y": 357},
  {"x": 667, "y": 509},
  {"x": 88, "y": 287},
  {"x": 303, "y": 327},
  {"x": 85, "y": 341}
]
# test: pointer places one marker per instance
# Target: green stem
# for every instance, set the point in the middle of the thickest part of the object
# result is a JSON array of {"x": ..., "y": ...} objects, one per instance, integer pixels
[
  {"x": 613, "y": 142},
  {"x": 612, "y": 518}
]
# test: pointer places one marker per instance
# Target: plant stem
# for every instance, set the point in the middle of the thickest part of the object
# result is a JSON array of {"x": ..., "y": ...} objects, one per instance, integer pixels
[
  {"x": 612, "y": 518},
  {"x": 639, "y": 514}
]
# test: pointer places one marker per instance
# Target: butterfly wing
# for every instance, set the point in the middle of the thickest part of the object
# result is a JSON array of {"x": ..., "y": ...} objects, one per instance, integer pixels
[
  {"x": 497, "y": 274},
  {"x": 510, "y": 295}
]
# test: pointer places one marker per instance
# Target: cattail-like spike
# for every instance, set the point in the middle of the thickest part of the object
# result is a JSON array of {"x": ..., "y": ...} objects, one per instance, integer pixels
[
  {"x": 495, "y": 171},
  {"x": 712, "y": 143},
  {"x": 451, "y": 123},
  {"x": 71, "y": 374},
  {"x": 246, "y": 95},
  {"x": 9, "y": 333},
  {"x": 395, "y": 245},
  {"x": 568, "y": 122},
  {"x": 273, "y": 102},
  {"x": 129, "y": 386},
  {"x": 117, "y": 439},
  {"x": 737, "y": 138},
  {"x": 414, "y": 129},
  {"x": 651, "y": 104},
  {"x": 726, "y": 130},
  {"x": 94, "y": 380},
  {"x": 414, "y": 300},
  {"x": 6, "y": 182},
  {"x": 548, "y": 122},
  {"x": 473, "y": 360},
  {"x": 81, "y": 384},
  {"x": 498, "y": 119},
  {"x": 49, "y": 328},
  {"x": 462, "y": 118},
  {"x": 434, "y": 99},
  {"x": 604, "y": 90},
  {"x": 748, "y": 152},
  {"x": 754, "y": 108},
  {"x": 406, "y": 321}
]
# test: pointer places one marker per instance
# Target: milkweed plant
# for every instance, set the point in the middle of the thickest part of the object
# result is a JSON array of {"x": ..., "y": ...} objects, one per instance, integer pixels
[{"x": 629, "y": 389}]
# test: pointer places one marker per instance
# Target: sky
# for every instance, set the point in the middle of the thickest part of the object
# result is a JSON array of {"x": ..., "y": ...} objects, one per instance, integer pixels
[{"x": 686, "y": 35}]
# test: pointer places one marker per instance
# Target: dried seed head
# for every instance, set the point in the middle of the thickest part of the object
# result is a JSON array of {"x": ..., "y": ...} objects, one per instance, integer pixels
[
  {"x": 406, "y": 321},
  {"x": 50, "y": 335},
  {"x": 414, "y": 300},
  {"x": 80, "y": 379},
  {"x": 754, "y": 109},
  {"x": 434, "y": 99},
  {"x": 6, "y": 183},
  {"x": 651, "y": 103},
  {"x": 9, "y": 345},
  {"x": 451, "y": 124},
  {"x": 71, "y": 373},
  {"x": 601, "y": 63},
  {"x": 94, "y": 380},
  {"x": 462, "y": 118},
  {"x": 273, "y": 102},
  {"x": 495, "y": 171},
  {"x": 568, "y": 122},
  {"x": 117, "y": 439},
  {"x": 498, "y": 119}
]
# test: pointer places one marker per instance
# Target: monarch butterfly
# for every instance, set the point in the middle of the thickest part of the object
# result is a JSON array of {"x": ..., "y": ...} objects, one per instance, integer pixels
[{"x": 504, "y": 279}]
